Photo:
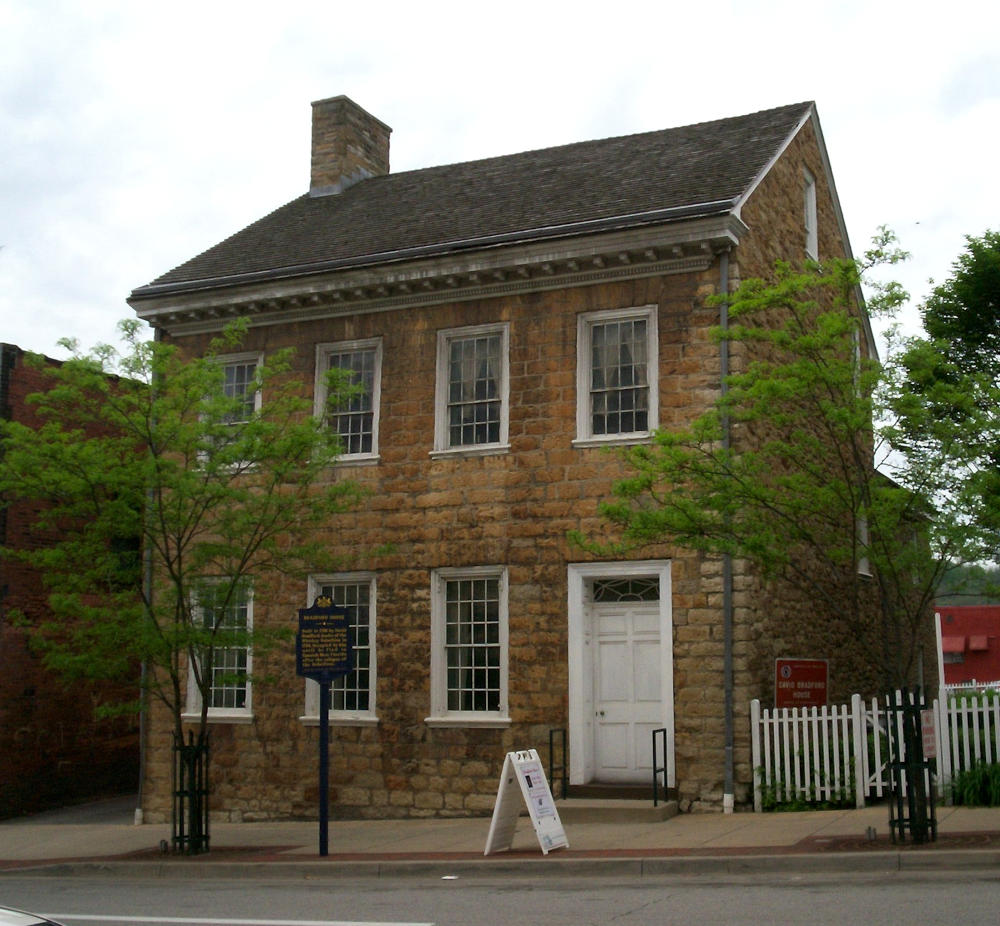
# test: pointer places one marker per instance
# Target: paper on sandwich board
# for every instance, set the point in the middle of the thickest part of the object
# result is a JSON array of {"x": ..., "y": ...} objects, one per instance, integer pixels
[{"x": 523, "y": 773}]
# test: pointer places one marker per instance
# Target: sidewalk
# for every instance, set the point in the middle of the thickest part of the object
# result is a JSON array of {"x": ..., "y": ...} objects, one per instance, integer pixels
[{"x": 102, "y": 838}]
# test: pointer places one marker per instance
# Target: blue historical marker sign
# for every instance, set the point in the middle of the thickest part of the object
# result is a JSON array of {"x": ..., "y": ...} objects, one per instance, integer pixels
[
  {"x": 323, "y": 648},
  {"x": 324, "y": 651}
]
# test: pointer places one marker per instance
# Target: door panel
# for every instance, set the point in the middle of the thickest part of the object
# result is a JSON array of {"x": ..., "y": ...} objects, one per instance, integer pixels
[{"x": 627, "y": 687}]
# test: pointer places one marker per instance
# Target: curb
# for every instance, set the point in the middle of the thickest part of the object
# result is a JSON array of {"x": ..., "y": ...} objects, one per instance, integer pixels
[{"x": 633, "y": 867}]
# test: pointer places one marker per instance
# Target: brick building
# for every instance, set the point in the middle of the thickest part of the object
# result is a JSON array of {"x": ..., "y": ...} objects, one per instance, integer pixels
[
  {"x": 510, "y": 320},
  {"x": 53, "y": 751},
  {"x": 969, "y": 643}
]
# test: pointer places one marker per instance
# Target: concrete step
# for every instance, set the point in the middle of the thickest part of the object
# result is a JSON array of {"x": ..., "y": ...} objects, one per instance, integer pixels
[
  {"x": 599, "y": 810},
  {"x": 607, "y": 791}
]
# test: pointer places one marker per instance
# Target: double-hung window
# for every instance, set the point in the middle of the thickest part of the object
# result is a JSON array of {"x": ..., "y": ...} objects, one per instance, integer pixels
[
  {"x": 469, "y": 659},
  {"x": 472, "y": 393},
  {"x": 239, "y": 385},
  {"x": 352, "y": 696},
  {"x": 355, "y": 418},
  {"x": 617, "y": 389},
  {"x": 223, "y": 614},
  {"x": 239, "y": 401}
]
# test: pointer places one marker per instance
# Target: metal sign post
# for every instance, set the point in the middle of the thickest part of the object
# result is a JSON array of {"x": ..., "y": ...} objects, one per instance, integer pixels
[{"x": 324, "y": 651}]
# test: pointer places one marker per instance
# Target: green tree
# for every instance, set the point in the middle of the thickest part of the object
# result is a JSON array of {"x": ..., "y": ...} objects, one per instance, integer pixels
[
  {"x": 143, "y": 453},
  {"x": 962, "y": 315},
  {"x": 970, "y": 584},
  {"x": 781, "y": 471},
  {"x": 954, "y": 373}
]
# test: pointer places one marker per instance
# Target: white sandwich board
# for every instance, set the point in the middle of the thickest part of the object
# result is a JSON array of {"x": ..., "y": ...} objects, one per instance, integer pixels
[{"x": 523, "y": 772}]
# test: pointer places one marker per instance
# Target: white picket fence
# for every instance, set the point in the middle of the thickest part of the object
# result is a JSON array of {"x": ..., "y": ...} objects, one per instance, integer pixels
[{"x": 840, "y": 754}]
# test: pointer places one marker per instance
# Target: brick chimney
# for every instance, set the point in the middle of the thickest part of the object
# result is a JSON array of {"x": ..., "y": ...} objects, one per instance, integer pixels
[{"x": 348, "y": 145}]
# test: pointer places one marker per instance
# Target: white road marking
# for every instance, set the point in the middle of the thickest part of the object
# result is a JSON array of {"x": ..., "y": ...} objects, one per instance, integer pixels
[{"x": 196, "y": 921}]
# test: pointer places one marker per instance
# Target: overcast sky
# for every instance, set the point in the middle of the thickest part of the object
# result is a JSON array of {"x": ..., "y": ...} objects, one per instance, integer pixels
[{"x": 135, "y": 135}]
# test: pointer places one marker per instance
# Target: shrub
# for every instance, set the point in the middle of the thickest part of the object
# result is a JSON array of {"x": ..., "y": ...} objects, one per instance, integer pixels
[{"x": 978, "y": 786}]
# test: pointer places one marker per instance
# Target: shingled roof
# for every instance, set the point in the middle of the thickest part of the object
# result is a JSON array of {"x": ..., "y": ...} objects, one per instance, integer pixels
[{"x": 652, "y": 177}]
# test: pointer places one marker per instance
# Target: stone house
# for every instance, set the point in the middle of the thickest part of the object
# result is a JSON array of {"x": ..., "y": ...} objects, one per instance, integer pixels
[
  {"x": 510, "y": 320},
  {"x": 54, "y": 751}
]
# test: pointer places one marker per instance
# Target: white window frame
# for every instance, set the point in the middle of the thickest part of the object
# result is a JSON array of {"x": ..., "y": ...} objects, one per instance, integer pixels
[
  {"x": 811, "y": 219},
  {"x": 223, "y": 714},
  {"x": 440, "y": 715},
  {"x": 441, "y": 429},
  {"x": 344, "y": 718},
  {"x": 584, "y": 420},
  {"x": 323, "y": 354},
  {"x": 254, "y": 357}
]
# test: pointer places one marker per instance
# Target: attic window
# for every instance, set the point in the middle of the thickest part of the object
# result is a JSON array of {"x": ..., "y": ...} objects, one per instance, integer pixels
[{"x": 809, "y": 208}]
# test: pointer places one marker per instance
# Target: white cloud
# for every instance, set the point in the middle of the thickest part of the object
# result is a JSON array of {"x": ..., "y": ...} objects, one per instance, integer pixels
[{"x": 133, "y": 136}]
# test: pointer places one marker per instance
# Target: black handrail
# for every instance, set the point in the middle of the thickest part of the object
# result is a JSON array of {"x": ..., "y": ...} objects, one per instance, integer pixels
[
  {"x": 561, "y": 768},
  {"x": 657, "y": 768}
]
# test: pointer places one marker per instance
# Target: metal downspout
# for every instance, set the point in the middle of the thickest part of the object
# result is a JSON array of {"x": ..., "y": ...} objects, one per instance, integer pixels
[{"x": 728, "y": 798}]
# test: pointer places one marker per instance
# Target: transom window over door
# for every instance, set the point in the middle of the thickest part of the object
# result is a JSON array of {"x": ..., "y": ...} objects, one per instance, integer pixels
[
  {"x": 617, "y": 375},
  {"x": 472, "y": 390},
  {"x": 356, "y": 418}
]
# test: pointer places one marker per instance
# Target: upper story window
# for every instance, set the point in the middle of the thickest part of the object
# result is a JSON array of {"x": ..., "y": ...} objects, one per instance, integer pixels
[
  {"x": 356, "y": 418},
  {"x": 239, "y": 383},
  {"x": 617, "y": 364},
  {"x": 472, "y": 390},
  {"x": 352, "y": 696},
  {"x": 225, "y": 664},
  {"x": 811, "y": 222}
]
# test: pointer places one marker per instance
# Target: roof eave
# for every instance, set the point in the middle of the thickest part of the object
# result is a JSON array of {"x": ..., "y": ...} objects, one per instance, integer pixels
[
  {"x": 493, "y": 269},
  {"x": 596, "y": 226}
]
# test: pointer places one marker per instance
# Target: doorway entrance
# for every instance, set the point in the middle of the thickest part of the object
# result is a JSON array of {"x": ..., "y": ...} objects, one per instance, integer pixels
[{"x": 620, "y": 670}]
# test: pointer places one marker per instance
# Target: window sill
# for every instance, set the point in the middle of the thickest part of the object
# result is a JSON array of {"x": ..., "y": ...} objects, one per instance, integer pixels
[
  {"x": 492, "y": 721},
  {"x": 217, "y": 716},
  {"x": 340, "y": 720},
  {"x": 479, "y": 450},
  {"x": 614, "y": 440},
  {"x": 359, "y": 459}
]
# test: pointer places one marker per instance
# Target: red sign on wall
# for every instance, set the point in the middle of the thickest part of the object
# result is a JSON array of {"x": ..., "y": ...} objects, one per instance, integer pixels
[{"x": 800, "y": 682}]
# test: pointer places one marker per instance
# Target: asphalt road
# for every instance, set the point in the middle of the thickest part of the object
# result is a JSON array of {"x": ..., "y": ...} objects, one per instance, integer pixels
[{"x": 948, "y": 898}]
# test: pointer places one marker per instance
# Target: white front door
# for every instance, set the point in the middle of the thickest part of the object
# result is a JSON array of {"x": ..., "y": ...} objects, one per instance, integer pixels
[
  {"x": 620, "y": 670},
  {"x": 628, "y": 700}
]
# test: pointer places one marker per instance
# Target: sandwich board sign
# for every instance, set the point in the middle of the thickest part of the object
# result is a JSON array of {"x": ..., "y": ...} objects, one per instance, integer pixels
[{"x": 524, "y": 777}]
